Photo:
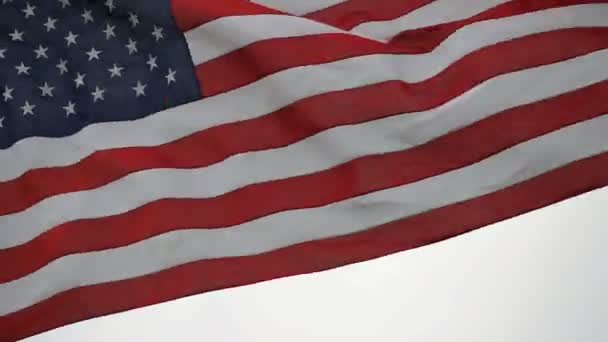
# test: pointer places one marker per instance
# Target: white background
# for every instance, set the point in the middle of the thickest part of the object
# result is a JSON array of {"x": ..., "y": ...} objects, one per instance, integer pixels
[{"x": 538, "y": 277}]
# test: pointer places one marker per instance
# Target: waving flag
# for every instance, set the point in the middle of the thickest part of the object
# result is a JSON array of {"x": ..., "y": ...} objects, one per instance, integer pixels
[{"x": 154, "y": 149}]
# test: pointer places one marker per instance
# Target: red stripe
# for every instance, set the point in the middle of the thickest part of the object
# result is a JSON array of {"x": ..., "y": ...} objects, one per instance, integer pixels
[
  {"x": 270, "y": 56},
  {"x": 351, "y": 13},
  {"x": 207, "y": 275},
  {"x": 189, "y": 14},
  {"x": 302, "y": 119},
  {"x": 427, "y": 38},
  {"x": 354, "y": 178}
]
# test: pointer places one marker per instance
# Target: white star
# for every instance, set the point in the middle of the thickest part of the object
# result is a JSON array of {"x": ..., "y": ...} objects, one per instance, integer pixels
[
  {"x": 132, "y": 46},
  {"x": 62, "y": 66},
  {"x": 152, "y": 62},
  {"x": 8, "y": 93},
  {"x": 2, "y": 121},
  {"x": 109, "y": 31},
  {"x": 22, "y": 69},
  {"x": 116, "y": 71},
  {"x": 64, "y": 3},
  {"x": 71, "y": 38},
  {"x": 110, "y": 5},
  {"x": 28, "y": 10},
  {"x": 134, "y": 19},
  {"x": 16, "y": 35},
  {"x": 69, "y": 108},
  {"x": 41, "y": 52},
  {"x": 46, "y": 90},
  {"x": 50, "y": 24},
  {"x": 158, "y": 33},
  {"x": 171, "y": 76},
  {"x": 79, "y": 80},
  {"x": 6, "y": 1},
  {"x": 2, "y": 51},
  {"x": 87, "y": 16},
  {"x": 28, "y": 108},
  {"x": 98, "y": 94},
  {"x": 93, "y": 54},
  {"x": 140, "y": 89}
]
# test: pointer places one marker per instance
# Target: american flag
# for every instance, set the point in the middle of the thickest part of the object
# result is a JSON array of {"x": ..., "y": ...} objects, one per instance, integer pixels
[{"x": 154, "y": 149}]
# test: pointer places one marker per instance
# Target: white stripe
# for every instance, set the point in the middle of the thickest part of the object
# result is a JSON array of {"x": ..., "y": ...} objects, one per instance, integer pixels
[
  {"x": 227, "y": 34},
  {"x": 319, "y": 152},
  {"x": 283, "y": 88},
  {"x": 437, "y": 12},
  {"x": 507, "y": 168},
  {"x": 298, "y": 7}
]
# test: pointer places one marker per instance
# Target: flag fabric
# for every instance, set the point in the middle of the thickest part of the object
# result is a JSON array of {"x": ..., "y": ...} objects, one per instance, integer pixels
[{"x": 151, "y": 150}]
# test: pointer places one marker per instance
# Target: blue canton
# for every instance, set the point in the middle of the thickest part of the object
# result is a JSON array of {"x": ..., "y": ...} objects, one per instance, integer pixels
[{"x": 65, "y": 64}]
